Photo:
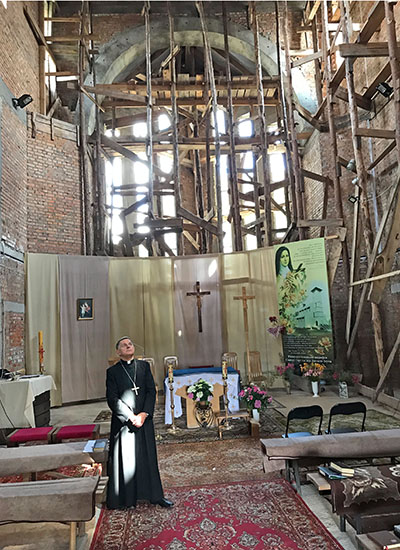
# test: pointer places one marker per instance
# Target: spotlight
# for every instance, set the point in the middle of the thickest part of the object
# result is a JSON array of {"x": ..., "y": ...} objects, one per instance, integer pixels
[
  {"x": 351, "y": 165},
  {"x": 352, "y": 199},
  {"x": 22, "y": 101},
  {"x": 385, "y": 89},
  {"x": 355, "y": 181}
]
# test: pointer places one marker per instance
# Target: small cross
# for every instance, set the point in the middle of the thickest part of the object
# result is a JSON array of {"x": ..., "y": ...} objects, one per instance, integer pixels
[
  {"x": 135, "y": 388},
  {"x": 199, "y": 295}
]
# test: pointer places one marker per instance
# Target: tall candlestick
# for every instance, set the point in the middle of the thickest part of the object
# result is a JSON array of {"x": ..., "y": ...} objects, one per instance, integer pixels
[
  {"x": 170, "y": 373},
  {"x": 41, "y": 352},
  {"x": 224, "y": 370}
]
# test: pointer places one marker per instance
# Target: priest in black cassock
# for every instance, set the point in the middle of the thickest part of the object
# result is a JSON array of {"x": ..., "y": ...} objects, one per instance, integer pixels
[{"x": 132, "y": 465}]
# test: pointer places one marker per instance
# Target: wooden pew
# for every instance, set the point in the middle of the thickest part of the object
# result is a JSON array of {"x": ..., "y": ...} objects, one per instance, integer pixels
[{"x": 67, "y": 501}]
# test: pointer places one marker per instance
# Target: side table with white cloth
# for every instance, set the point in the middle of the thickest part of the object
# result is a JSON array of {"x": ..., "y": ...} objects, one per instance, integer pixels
[
  {"x": 187, "y": 377},
  {"x": 17, "y": 398}
]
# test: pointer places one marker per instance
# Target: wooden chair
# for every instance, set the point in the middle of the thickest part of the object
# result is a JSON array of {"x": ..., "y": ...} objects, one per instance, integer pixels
[
  {"x": 231, "y": 359},
  {"x": 256, "y": 373},
  {"x": 303, "y": 413},
  {"x": 170, "y": 359},
  {"x": 346, "y": 409},
  {"x": 151, "y": 362}
]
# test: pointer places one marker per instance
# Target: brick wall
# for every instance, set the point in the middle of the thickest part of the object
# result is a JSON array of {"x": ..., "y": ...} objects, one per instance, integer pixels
[{"x": 53, "y": 189}]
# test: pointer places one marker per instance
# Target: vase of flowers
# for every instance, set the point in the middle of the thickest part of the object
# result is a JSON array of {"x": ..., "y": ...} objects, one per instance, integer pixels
[
  {"x": 201, "y": 392},
  {"x": 255, "y": 399},
  {"x": 345, "y": 379},
  {"x": 314, "y": 371},
  {"x": 286, "y": 373}
]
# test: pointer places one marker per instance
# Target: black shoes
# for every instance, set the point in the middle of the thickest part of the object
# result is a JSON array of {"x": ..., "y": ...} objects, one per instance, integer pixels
[{"x": 164, "y": 503}]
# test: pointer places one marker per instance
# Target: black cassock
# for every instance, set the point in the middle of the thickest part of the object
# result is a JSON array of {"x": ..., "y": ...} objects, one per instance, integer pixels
[{"x": 132, "y": 465}]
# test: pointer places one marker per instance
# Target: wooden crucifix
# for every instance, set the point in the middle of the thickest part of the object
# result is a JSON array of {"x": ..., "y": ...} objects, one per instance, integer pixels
[
  {"x": 199, "y": 294},
  {"x": 244, "y": 297}
]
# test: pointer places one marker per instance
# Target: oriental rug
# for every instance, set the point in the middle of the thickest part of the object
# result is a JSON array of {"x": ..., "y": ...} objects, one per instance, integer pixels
[{"x": 236, "y": 516}]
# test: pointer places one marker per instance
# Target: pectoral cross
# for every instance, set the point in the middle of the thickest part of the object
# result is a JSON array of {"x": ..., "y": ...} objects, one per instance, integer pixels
[
  {"x": 199, "y": 294},
  {"x": 135, "y": 388},
  {"x": 244, "y": 297}
]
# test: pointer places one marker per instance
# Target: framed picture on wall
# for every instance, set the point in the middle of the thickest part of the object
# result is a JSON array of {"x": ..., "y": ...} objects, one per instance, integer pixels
[{"x": 85, "y": 308}]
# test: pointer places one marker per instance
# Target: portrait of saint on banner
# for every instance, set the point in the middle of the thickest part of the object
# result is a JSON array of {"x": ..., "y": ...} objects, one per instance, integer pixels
[{"x": 85, "y": 308}]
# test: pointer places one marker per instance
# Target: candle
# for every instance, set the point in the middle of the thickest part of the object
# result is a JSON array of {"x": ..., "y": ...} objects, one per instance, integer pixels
[
  {"x": 224, "y": 370},
  {"x": 170, "y": 373},
  {"x": 40, "y": 335}
]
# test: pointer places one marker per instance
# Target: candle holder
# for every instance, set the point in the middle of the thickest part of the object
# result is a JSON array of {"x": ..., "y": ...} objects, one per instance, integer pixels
[
  {"x": 226, "y": 424},
  {"x": 173, "y": 429},
  {"x": 42, "y": 370}
]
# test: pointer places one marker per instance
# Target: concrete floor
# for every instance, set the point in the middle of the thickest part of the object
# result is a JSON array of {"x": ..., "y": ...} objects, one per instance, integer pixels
[{"x": 55, "y": 537}]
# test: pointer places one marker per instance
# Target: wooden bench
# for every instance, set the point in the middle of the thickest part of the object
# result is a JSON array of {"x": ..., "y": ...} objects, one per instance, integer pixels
[
  {"x": 286, "y": 453},
  {"x": 67, "y": 501}
]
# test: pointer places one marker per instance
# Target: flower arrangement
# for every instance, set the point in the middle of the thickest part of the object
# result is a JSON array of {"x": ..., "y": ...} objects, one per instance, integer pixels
[
  {"x": 276, "y": 327},
  {"x": 200, "y": 391},
  {"x": 346, "y": 376},
  {"x": 255, "y": 397},
  {"x": 313, "y": 370},
  {"x": 285, "y": 371}
]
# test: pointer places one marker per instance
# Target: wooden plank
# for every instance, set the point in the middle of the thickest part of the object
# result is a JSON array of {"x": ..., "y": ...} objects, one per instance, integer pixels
[
  {"x": 192, "y": 241},
  {"x": 304, "y": 113},
  {"x": 372, "y": 49},
  {"x": 375, "y": 133},
  {"x": 313, "y": 11},
  {"x": 382, "y": 76},
  {"x": 361, "y": 101},
  {"x": 191, "y": 102},
  {"x": 40, "y": 38},
  {"x": 115, "y": 146},
  {"x": 198, "y": 221},
  {"x": 334, "y": 253},
  {"x": 133, "y": 207},
  {"x": 334, "y": 222},
  {"x": 306, "y": 59},
  {"x": 387, "y": 367},
  {"x": 317, "y": 177},
  {"x": 380, "y": 157},
  {"x": 99, "y": 89}
]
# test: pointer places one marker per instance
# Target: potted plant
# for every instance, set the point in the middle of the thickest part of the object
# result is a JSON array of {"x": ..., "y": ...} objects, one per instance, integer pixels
[
  {"x": 201, "y": 392},
  {"x": 345, "y": 379},
  {"x": 314, "y": 371},
  {"x": 286, "y": 373},
  {"x": 255, "y": 400}
]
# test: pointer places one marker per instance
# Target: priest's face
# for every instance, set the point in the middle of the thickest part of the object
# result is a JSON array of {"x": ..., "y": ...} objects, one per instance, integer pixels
[{"x": 126, "y": 349}]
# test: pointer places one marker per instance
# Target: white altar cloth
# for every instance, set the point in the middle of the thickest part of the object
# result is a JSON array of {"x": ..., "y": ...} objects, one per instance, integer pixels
[
  {"x": 188, "y": 379},
  {"x": 17, "y": 397}
]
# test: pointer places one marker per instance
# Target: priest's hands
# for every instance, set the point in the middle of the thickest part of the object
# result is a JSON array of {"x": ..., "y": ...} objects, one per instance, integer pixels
[{"x": 138, "y": 419}]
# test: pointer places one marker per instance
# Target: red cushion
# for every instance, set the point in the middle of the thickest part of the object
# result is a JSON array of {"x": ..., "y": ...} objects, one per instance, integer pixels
[
  {"x": 75, "y": 432},
  {"x": 31, "y": 434}
]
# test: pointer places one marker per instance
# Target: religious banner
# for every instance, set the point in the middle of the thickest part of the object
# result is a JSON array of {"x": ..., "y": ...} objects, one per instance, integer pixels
[
  {"x": 197, "y": 308},
  {"x": 303, "y": 302}
]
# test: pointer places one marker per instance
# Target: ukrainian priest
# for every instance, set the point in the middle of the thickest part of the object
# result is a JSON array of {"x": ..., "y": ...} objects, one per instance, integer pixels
[{"x": 132, "y": 465}]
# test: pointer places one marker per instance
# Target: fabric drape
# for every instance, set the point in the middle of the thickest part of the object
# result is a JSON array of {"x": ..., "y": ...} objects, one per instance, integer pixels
[
  {"x": 42, "y": 313},
  {"x": 196, "y": 348},
  {"x": 84, "y": 344}
]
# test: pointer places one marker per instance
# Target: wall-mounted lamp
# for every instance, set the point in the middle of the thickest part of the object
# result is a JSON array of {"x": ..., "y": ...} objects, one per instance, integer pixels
[
  {"x": 351, "y": 165},
  {"x": 22, "y": 101},
  {"x": 355, "y": 181},
  {"x": 385, "y": 89},
  {"x": 352, "y": 199}
]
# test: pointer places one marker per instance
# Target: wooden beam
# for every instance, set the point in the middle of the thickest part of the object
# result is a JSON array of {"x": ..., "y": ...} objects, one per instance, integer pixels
[
  {"x": 372, "y": 49},
  {"x": 377, "y": 278},
  {"x": 190, "y": 102},
  {"x": 133, "y": 207},
  {"x": 336, "y": 222},
  {"x": 115, "y": 146},
  {"x": 316, "y": 177},
  {"x": 360, "y": 100},
  {"x": 304, "y": 113},
  {"x": 313, "y": 11},
  {"x": 382, "y": 76},
  {"x": 387, "y": 367},
  {"x": 99, "y": 89},
  {"x": 375, "y": 133},
  {"x": 197, "y": 221},
  {"x": 380, "y": 157},
  {"x": 306, "y": 59}
]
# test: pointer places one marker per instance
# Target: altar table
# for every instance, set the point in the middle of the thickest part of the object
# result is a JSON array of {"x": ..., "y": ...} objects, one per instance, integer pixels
[
  {"x": 187, "y": 377},
  {"x": 17, "y": 397}
]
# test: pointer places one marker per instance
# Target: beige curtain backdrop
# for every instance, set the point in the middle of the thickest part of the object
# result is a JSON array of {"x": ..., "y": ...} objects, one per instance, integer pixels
[
  {"x": 196, "y": 348},
  {"x": 255, "y": 271},
  {"x": 141, "y": 306},
  {"x": 84, "y": 344},
  {"x": 42, "y": 313}
]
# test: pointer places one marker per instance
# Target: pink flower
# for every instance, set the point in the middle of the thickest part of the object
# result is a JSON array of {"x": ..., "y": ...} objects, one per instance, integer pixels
[
  {"x": 209, "y": 398},
  {"x": 251, "y": 397},
  {"x": 269, "y": 399},
  {"x": 190, "y": 395},
  {"x": 197, "y": 398},
  {"x": 257, "y": 404},
  {"x": 241, "y": 393}
]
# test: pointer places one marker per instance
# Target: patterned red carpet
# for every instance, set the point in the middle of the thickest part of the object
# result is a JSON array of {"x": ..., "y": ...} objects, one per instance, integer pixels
[{"x": 251, "y": 515}]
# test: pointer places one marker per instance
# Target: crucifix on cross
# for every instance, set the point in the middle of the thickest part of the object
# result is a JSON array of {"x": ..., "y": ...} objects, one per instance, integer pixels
[{"x": 199, "y": 294}]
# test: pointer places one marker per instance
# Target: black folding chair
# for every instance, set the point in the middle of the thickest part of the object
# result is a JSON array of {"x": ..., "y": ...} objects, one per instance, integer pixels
[
  {"x": 303, "y": 413},
  {"x": 346, "y": 409}
]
